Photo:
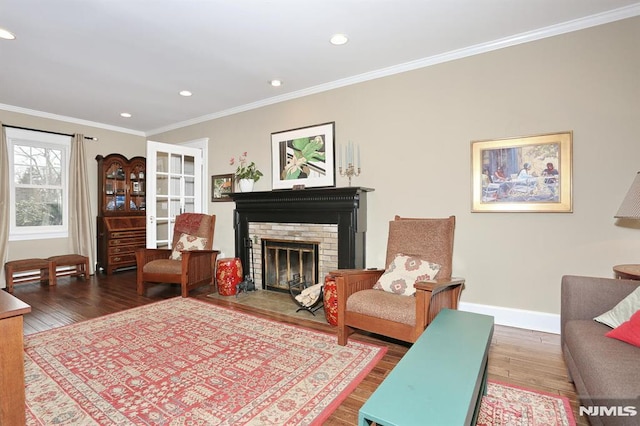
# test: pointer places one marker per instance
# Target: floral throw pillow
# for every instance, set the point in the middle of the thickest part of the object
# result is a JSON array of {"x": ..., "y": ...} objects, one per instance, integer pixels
[
  {"x": 187, "y": 243},
  {"x": 405, "y": 271}
]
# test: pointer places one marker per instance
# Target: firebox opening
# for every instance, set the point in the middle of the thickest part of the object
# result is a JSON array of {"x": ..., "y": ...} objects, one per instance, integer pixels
[{"x": 282, "y": 259}]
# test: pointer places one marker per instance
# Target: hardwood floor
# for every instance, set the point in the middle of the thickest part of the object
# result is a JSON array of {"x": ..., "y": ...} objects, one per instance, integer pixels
[{"x": 519, "y": 357}]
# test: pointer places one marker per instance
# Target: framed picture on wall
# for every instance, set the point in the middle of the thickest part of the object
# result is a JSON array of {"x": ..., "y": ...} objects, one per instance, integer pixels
[
  {"x": 221, "y": 187},
  {"x": 304, "y": 157},
  {"x": 525, "y": 174}
]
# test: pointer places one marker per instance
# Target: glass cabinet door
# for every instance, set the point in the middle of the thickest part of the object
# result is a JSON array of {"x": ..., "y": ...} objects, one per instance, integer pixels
[
  {"x": 122, "y": 185},
  {"x": 115, "y": 186},
  {"x": 137, "y": 185}
]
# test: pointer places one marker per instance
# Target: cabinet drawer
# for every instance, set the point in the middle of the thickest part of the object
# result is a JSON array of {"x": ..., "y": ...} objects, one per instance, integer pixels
[
  {"x": 120, "y": 250},
  {"x": 127, "y": 234},
  {"x": 122, "y": 258},
  {"x": 136, "y": 242}
]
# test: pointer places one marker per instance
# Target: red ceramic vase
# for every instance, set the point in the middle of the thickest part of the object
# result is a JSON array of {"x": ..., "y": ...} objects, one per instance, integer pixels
[
  {"x": 330, "y": 294},
  {"x": 228, "y": 275}
]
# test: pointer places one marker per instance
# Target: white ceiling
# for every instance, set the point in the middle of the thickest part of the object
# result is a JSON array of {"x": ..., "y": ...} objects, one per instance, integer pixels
[{"x": 86, "y": 61}]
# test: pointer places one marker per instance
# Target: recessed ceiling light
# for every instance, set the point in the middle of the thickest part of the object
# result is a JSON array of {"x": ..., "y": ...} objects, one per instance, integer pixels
[
  {"x": 276, "y": 83},
  {"x": 6, "y": 34},
  {"x": 185, "y": 93},
  {"x": 339, "y": 39},
  {"x": 125, "y": 115}
]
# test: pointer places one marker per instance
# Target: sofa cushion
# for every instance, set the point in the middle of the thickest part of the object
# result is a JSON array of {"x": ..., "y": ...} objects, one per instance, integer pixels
[
  {"x": 622, "y": 311},
  {"x": 604, "y": 364},
  {"x": 403, "y": 272},
  {"x": 381, "y": 304},
  {"x": 628, "y": 331},
  {"x": 187, "y": 243}
]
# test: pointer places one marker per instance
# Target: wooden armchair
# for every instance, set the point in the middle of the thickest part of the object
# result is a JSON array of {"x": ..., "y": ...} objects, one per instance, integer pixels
[
  {"x": 398, "y": 316},
  {"x": 194, "y": 268}
]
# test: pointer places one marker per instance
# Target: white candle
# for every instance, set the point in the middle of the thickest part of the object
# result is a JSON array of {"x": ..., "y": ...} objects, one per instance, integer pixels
[
  {"x": 350, "y": 152},
  {"x": 347, "y": 151}
]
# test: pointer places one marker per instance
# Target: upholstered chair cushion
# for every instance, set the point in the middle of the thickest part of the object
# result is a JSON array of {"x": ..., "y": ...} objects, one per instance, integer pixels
[
  {"x": 403, "y": 272},
  {"x": 196, "y": 224},
  {"x": 407, "y": 235},
  {"x": 382, "y": 304},
  {"x": 163, "y": 266},
  {"x": 188, "y": 242}
]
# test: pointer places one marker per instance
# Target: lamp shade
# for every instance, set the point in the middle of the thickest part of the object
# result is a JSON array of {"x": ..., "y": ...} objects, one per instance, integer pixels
[{"x": 630, "y": 207}]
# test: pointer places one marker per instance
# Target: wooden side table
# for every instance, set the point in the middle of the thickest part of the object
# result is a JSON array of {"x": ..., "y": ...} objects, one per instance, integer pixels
[
  {"x": 627, "y": 272},
  {"x": 12, "y": 399}
]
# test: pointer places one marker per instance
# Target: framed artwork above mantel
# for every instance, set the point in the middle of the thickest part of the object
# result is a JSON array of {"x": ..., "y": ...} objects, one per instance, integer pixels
[{"x": 304, "y": 157}]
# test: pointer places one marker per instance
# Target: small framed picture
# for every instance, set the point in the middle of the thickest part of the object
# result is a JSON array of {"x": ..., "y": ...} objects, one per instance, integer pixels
[{"x": 221, "y": 187}]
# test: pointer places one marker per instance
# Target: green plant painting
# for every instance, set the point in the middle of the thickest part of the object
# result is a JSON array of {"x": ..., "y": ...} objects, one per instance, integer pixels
[{"x": 305, "y": 152}]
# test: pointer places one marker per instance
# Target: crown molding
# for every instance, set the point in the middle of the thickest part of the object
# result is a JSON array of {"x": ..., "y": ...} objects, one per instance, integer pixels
[
  {"x": 526, "y": 37},
  {"x": 42, "y": 114}
]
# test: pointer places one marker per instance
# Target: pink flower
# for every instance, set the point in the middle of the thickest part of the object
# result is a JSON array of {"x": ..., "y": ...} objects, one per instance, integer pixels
[{"x": 232, "y": 161}]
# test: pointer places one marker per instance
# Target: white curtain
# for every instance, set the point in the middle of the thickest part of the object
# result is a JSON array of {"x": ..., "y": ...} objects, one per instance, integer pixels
[
  {"x": 4, "y": 203},
  {"x": 80, "y": 217}
]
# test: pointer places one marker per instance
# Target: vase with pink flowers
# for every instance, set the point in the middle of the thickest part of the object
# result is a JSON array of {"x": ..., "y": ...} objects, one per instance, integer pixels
[{"x": 247, "y": 173}]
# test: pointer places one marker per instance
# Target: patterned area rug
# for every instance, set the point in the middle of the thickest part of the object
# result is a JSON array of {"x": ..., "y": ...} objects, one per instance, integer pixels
[
  {"x": 184, "y": 361},
  {"x": 508, "y": 405}
]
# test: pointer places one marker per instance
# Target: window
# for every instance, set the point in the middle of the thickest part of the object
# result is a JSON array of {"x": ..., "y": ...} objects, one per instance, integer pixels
[{"x": 38, "y": 167}]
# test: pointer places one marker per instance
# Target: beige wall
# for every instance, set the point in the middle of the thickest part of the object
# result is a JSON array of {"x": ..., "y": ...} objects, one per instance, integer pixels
[
  {"x": 415, "y": 129},
  {"x": 109, "y": 141}
]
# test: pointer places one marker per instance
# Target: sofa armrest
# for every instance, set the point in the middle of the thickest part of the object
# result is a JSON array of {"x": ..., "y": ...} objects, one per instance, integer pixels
[{"x": 584, "y": 298}]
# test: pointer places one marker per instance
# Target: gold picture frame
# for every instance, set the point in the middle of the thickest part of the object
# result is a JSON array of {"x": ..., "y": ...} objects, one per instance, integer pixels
[{"x": 524, "y": 174}]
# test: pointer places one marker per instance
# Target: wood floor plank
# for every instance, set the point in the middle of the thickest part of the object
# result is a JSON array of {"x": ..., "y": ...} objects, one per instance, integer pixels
[{"x": 519, "y": 357}]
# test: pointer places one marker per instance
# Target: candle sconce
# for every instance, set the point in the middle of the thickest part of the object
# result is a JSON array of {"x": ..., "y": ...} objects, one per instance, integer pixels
[{"x": 350, "y": 172}]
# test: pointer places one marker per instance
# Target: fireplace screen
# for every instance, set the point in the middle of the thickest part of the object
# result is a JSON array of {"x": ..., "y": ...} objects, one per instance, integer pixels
[{"x": 281, "y": 260}]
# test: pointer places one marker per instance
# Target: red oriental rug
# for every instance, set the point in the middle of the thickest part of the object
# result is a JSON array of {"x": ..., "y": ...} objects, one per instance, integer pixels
[
  {"x": 508, "y": 405},
  {"x": 184, "y": 361}
]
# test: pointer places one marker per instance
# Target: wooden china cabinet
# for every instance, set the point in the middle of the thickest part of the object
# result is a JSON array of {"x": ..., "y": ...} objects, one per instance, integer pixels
[{"x": 121, "y": 222}]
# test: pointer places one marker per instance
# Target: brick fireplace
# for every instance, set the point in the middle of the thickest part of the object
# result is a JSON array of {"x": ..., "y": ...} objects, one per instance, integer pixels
[
  {"x": 313, "y": 247},
  {"x": 335, "y": 218}
]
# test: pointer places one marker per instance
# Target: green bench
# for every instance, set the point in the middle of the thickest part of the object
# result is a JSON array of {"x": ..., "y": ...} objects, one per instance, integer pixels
[{"x": 440, "y": 380}]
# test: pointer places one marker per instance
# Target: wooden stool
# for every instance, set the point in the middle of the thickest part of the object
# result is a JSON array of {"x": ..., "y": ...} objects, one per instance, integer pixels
[
  {"x": 41, "y": 270},
  {"x": 79, "y": 262}
]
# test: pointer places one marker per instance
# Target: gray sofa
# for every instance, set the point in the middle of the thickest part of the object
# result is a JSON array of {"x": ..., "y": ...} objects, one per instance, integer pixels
[{"x": 605, "y": 371}]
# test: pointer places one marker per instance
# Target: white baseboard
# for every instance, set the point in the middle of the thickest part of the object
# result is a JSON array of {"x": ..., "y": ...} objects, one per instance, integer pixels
[{"x": 531, "y": 320}]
